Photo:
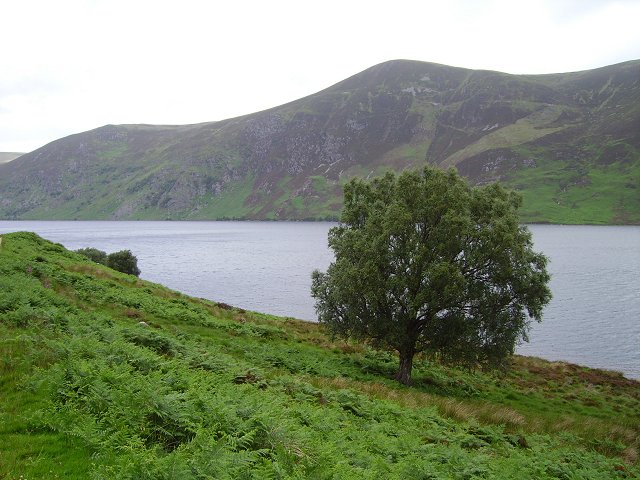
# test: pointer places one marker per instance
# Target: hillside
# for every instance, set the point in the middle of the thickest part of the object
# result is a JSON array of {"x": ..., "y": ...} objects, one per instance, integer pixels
[
  {"x": 105, "y": 375},
  {"x": 8, "y": 156},
  {"x": 569, "y": 142}
]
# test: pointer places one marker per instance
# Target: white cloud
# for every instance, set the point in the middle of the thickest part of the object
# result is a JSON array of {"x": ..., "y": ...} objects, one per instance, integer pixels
[{"x": 73, "y": 65}]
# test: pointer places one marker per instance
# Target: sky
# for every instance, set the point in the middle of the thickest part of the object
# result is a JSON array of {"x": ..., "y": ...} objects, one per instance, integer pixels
[{"x": 68, "y": 66}]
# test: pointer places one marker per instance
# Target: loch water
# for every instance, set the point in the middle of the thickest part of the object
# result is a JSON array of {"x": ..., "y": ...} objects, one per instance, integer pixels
[{"x": 593, "y": 319}]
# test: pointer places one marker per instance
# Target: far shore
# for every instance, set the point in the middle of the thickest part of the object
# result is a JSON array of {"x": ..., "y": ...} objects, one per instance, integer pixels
[{"x": 6, "y": 157}]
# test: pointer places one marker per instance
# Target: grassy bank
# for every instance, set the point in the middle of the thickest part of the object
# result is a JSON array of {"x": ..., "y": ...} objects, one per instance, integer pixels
[{"x": 103, "y": 375}]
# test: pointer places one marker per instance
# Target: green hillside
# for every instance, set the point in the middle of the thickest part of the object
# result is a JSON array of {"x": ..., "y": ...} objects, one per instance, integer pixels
[
  {"x": 569, "y": 142},
  {"x": 107, "y": 376}
]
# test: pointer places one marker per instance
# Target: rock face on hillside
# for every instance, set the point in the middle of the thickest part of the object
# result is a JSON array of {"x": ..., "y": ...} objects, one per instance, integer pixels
[{"x": 569, "y": 142}]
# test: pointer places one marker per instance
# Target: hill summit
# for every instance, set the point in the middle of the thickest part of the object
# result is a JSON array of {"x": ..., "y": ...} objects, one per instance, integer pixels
[{"x": 569, "y": 142}]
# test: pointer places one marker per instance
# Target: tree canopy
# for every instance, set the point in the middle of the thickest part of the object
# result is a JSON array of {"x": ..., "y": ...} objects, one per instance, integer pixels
[
  {"x": 426, "y": 263},
  {"x": 123, "y": 261},
  {"x": 94, "y": 254}
]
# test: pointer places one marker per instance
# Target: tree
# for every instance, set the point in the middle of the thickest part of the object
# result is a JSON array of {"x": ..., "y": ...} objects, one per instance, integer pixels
[
  {"x": 123, "y": 261},
  {"x": 425, "y": 263},
  {"x": 94, "y": 254}
]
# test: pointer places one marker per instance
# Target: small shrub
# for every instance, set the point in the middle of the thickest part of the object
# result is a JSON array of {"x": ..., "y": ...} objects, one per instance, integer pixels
[
  {"x": 154, "y": 341},
  {"x": 94, "y": 255},
  {"x": 123, "y": 261}
]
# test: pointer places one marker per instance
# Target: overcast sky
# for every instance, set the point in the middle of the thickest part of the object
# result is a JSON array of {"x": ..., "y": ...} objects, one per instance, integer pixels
[{"x": 68, "y": 66}]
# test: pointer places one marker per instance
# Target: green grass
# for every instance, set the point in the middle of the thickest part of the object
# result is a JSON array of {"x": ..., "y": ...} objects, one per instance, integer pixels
[
  {"x": 318, "y": 199},
  {"x": 204, "y": 390},
  {"x": 562, "y": 192},
  {"x": 116, "y": 151},
  {"x": 230, "y": 203},
  {"x": 525, "y": 130}
]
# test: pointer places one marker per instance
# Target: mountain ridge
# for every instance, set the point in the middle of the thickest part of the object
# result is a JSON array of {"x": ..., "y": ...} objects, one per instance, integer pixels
[{"x": 569, "y": 142}]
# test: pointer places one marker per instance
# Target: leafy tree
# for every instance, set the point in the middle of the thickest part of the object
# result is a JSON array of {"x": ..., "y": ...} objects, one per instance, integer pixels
[
  {"x": 425, "y": 263},
  {"x": 94, "y": 254},
  {"x": 123, "y": 261}
]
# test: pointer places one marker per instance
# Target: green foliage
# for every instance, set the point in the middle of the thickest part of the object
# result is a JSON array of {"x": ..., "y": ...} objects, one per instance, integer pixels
[
  {"x": 123, "y": 261},
  {"x": 201, "y": 391},
  {"x": 94, "y": 255},
  {"x": 424, "y": 263}
]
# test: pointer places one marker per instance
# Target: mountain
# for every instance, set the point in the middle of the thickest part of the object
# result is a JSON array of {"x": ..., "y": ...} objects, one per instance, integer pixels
[
  {"x": 8, "y": 156},
  {"x": 569, "y": 142}
]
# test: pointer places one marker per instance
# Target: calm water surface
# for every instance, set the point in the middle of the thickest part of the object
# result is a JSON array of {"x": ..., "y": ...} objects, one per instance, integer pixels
[{"x": 593, "y": 319}]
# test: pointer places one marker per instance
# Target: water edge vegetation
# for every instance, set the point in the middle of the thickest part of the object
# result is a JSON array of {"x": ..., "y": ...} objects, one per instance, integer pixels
[{"x": 105, "y": 375}]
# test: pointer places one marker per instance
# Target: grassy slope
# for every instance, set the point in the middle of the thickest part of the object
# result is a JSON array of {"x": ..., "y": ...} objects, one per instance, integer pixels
[
  {"x": 551, "y": 196},
  {"x": 561, "y": 192},
  {"x": 208, "y": 391}
]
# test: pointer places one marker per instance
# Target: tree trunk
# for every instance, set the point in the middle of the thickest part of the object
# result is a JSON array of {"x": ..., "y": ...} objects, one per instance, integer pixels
[{"x": 406, "y": 364}]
